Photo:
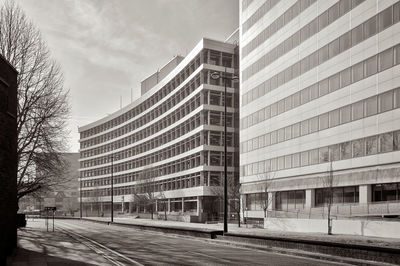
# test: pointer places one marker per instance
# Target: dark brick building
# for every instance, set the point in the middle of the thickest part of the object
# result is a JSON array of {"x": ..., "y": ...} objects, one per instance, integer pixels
[{"x": 8, "y": 158}]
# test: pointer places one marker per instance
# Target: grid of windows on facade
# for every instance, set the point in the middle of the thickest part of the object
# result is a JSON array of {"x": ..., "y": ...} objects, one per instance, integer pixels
[
  {"x": 164, "y": 117},
  {"x": 212, "y": 158},
  {"x": 374, "y": 105},
  {"x": 372, "y": 26},
  {"x": 210, "y": 178},
  {"x": 277, "y": 24},
  {"x": 362, "y": 70},
  {"x": 260, "y": 13},
  {"x": 386, "y": 192},
  {"x": 382, "y": 143},
  {"x": 336, "y": 195},
  {"x": 206, "y": 56}
]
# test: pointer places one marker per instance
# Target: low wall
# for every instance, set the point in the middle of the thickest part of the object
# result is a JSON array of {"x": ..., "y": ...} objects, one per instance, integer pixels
[{"x": 349, "y": 227}]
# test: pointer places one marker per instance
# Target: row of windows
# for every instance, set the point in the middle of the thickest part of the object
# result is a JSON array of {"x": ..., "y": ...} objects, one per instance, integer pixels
[
  {"x": 206, "y": 56},
  {"x": 386, "y": 142},
  {"x": 171, "y": 151},
  {"x": 371, "y": 106},
  {"x": 167, "y": 105},
  {"x": 315, "y": 26},
  {"x": 336, "y": 195},
  {"x": 263, "y": 10},
  {"x": 213, "y": 158},
  {"x": 176, "y": 132},
  {"x": 211, "y": 138},
  {"x": 276, "y": 25},
  {"x": 178, "y": 97},
  {"x": 355, "y": 73},
  {"x": 376, "y": 24}
]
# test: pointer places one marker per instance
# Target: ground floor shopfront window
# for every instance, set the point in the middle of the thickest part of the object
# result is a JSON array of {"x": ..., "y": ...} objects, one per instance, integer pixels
[
  {"x": 287, "y": 200},
  {"x": 341, "y": 195},
  {"x": 386, "y": 192}
]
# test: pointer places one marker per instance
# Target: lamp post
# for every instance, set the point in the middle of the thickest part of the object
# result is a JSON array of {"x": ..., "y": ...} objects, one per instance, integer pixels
[
  {"x": 80, "y": 196},
  {"x": 215, "y": 76},
  {"x": 112, "y": 186}
]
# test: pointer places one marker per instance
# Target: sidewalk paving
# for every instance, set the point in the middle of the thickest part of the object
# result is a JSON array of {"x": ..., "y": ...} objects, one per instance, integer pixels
[
  {"x": 249, "y": 230},
  {"x": 37, "y": 247}
]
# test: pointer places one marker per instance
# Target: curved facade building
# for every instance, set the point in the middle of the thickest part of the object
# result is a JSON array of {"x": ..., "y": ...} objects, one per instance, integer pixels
[{"x": 167, "y": 144}]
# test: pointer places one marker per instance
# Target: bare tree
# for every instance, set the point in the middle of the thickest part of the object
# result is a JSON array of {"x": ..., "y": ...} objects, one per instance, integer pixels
[
  {"x": 328, "y": 184},
  {"x": 145, "y": 190},
  {"x": 233, "y": 187},
  {"x": 266, "y": 184},
  {"x": 42, "y": 102}
]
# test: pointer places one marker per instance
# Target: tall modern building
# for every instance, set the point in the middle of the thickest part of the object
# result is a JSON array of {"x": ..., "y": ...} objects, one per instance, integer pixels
[
  {"x": 320, "y": 101},
  {"x": 169, "y": 142}
]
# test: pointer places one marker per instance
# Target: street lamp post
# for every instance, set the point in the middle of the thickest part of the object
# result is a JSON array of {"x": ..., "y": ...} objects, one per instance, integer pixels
[
  {"x": 215, "y": 76},
  {"x": 80, "y": 196},
  {"x": 112, "y": 187}
]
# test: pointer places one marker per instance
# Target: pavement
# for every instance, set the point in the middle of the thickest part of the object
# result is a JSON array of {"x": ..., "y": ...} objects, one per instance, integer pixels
[
  {"x": 250, "y": 230},
  {"x": 77, "y": 242}
]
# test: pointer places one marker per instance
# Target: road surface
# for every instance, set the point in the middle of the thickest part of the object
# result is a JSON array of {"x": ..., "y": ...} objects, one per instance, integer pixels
[{"x": 127, "y": 246}]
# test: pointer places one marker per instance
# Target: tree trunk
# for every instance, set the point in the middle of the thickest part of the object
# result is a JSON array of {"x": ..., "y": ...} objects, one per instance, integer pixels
[
  {"x": 238, "y": 213},
  {"x": 165, "y": 211}
]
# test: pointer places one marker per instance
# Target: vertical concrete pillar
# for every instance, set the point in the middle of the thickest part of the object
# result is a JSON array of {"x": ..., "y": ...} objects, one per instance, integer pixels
[
  {"x": 156, "y": 210},
  {"x": 183, "y": 205},
  {"x": 130, "y": 207},
  {"x": 310, "y": 198},
  {"x": 169, "y": 205},
  {"x": 365, "y": 194},
  {"x": 199, "y": 205}
]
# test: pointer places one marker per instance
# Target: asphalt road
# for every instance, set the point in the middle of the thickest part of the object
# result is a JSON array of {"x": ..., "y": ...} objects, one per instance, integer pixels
[{"x": 126, "y": 246}]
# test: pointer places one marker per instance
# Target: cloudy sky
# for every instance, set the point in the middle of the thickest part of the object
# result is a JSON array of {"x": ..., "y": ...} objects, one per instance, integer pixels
[{"x": 106, "y": 47}]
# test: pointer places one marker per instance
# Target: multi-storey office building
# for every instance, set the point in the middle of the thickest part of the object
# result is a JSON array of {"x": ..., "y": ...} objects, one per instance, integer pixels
[
  {"x": 320, "y": 94},
  {"x": 170, "y": 140}
]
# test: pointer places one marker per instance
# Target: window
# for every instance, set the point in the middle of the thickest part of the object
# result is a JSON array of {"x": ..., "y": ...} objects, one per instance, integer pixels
[
  {"x": 313, "y": 124},
  {"x": 323, "y": 54},
  {"x": 358, "y": 148},
  {"x": 344, "y": 6},
  {"x": 274, "y": 137},
  {"x": 304, "y": 128},
  {"x": 314, "y": 156},
  {"x": 371, "y": 106},
  {"x": 358, "y": 72},
  {"x": 386, "y": 101},
  {"x": 370, "y": 27},
  {"x": 323, "y": 20},
  {"x": 281, "y": 106},
  {"x": 345, "y": 41},
  {"x": 314, "y": 59},
  {"x": 281, "y": 163},
  {"x": 357, "y": 35},
  {"x": 385, "y": 18},
  {"x": 334, "y": 83},
  {"x": 396, "y": 13},
  {"x": 288, "y": 161},
  {"x": 396, "y": 140},
  {"x": 371, "y": 145},
  {"x": 371, "y": 66},
  {"x": 397, "y": 98},
  {"x": 296, "y": 160},
  {"x": 323, "y": 154},
  {"x": 296, "y": 99},
  {"x": 274, "y": 109},
  {"x": 324, "y": 121},
  {"x": 386, "y": 59},
  {"x": 345, "y": 114},
  {"x": 296, "y": 130},
  {"x": 345, "y": 77},
  {"x": 288, "y": 133},
  {"x": 334, "y": 152},
  {"x": 323, "y": 87},
  {"x": 281, "y": 135},
  {"x": 357, "y": 110},
  {"x": 345, "y": 150},
  {"x": 304, "y": 158},
  {"x": 314, "y": 91},
  {"x": 334, "y": 48},
  {"x": 386, "y": 142},
  {"x": 334, "y": 13},
  {"x": 305, "y": 95},
  {"x": 334, "y": 118}
]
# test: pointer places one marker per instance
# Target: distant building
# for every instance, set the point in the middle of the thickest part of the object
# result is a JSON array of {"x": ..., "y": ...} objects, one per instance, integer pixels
[
  {"x": 170, "y": 141},
  {"x": 64, "y": 196},
  {"x": 8, "y": 158},
  {"x": 319, "y": 87}
]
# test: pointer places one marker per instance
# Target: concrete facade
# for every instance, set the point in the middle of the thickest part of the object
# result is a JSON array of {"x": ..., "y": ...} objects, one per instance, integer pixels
[
  {"x": 320, "y": 97},
  {"x": 8, "y": 158},
  {"x": 167, "y": 144}
]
